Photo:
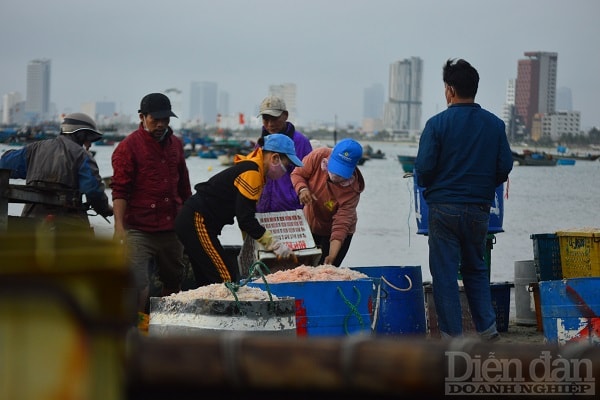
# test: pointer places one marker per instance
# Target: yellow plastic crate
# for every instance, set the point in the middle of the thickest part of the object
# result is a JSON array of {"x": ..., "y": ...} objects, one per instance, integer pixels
[{"x": 579, "y": 252}]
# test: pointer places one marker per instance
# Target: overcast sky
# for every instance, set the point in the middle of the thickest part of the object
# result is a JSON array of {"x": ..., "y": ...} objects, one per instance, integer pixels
[{"x": 120, "y": 50}]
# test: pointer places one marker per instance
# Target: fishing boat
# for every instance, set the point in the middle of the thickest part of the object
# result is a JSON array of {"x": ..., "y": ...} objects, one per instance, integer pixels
[
  {"x": 373, "y": 154},
  {"x": 561, "y": 153},
  {"x": 105, "y": 142},
  {"x": 531, "y": 158},
  {"x": 226, "y": 159},
  {"x": 575, "y": 156},
  {"x": 565, "y": 161},
  {"x": 207, "y": 152},
  {"x": 407, "y": 162}
]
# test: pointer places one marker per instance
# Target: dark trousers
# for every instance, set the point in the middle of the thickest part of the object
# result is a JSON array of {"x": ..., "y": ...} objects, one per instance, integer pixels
[
  {"x": 210, "y": 262},
  {"x": 323, "y": 243}
]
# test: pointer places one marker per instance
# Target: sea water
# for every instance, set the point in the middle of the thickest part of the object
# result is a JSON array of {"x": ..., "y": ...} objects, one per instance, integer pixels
[{"x": 537, "y": 200}]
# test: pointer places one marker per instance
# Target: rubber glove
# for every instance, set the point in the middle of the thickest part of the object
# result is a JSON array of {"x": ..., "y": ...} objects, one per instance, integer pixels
[
  {"x": 266, "y": 239},
  {"x": 281, "y": 250}
]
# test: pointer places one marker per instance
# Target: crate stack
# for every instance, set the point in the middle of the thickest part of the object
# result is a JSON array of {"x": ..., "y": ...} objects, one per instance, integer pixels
[{"x": 567, "y": 293}]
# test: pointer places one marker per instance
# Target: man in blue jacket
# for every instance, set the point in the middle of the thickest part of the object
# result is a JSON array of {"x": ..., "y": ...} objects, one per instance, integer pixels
[
  {"x": 463, "y": 156},
  {"x": 62, "y": 164}
]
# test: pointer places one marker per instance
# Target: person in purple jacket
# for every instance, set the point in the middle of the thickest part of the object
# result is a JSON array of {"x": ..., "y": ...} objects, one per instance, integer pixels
[{"x": 279, "y": 195}]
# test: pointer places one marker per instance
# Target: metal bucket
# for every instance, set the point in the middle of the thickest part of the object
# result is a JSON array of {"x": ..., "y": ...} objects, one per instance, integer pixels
[{"x": 524, "y": 301}]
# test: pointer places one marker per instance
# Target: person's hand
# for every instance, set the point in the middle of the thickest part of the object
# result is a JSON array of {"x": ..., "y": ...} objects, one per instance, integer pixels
[
  {"x": 266, "y": 239},
  {"x": 305, "y": 196},
  {"x": 328, "y": 260},
  {"x": 120, "y": 235},
  {"x": 281, "y": 250}
]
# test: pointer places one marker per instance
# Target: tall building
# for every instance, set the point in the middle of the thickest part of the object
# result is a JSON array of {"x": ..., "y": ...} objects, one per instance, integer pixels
[
  {"x": 535, "y": 87},
  {"x": 223, "y": 108},
  {"x": 203, "y": 103},
  {"x": 513, "y": 126},
  {"x": 402, "y": 112},
  {"x": 11, "y": 104},
  {"x": 287, "y": 91},
  {"x": 558, "y": 125},
  {"x": 564, "y": 99},
  {"x": 99, "y": 110},
  {"x": 37, "y": 102},
  {"x": 373, "y": 99}
]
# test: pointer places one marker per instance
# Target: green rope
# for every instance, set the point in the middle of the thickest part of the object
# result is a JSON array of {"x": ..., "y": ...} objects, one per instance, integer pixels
[
  {"x": 233, "y": 288},
  {"x": 256, "y": 267},
  {"x": 353, "y": 309}
]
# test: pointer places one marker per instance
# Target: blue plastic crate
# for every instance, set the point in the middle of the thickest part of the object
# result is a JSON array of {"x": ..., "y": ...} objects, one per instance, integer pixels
[
  {"x": 571, "y": 310},
  {"x": 546, "y": 256}
]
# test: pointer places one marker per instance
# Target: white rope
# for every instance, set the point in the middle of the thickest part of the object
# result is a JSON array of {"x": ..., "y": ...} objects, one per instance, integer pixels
[
  {"x": 397, "y": 288},
  {"x": 376, "y": 311}
]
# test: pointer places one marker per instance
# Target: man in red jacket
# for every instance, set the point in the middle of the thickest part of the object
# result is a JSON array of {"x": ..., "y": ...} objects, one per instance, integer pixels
[{"x": 149, "y": 185}]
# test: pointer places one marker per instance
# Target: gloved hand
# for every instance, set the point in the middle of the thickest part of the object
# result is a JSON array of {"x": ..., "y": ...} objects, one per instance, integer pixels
[
  {"x": 281, "y": 250},
  {"x": 266, "y": 239}
]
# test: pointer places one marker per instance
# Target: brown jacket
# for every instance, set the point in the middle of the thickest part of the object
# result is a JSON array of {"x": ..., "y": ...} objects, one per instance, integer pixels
[{"x": 334, "y": 211}]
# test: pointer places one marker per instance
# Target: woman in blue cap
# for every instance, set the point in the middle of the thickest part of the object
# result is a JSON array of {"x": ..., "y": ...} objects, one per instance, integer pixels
[
  {"x": 329, "y": 186},
  {"x": 232, "y": 193}
]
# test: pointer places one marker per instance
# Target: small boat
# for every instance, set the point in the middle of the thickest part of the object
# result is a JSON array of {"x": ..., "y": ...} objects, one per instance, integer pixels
[
  {"x": 407, "y": 162},
  {"x": 565, "y": 161},
  {"x": 562, "y": 154},
  {"x": 363, "y": 160},
  {"x": 375, "y": 155},
  {"x": 528, "y": 157},
  {"x": 225, "y": 159},
  {"x": 208, "y": 153},
  {"x": 574, "y": 156},
  {"x": 104, "y": 142}
]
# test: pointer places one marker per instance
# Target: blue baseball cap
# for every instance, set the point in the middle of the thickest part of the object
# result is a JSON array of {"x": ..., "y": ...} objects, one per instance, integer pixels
[
  {"x": 280, "y": 143},
  {"x": 344, "y": 158}
]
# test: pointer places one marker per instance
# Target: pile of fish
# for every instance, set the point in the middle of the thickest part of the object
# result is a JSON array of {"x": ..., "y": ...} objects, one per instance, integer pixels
[{"x": 305, "y": 273}]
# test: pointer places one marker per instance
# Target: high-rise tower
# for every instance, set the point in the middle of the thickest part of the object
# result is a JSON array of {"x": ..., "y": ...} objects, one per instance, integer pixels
[
  {"x": 203, "y": 103},
  {"x": 402, "y": 114},
  {"x": 535, "y": 87},
  {"x": 373, "y": 99},
  {"x": 287, "y": 91},
  {"x": 37, "y": 102}
]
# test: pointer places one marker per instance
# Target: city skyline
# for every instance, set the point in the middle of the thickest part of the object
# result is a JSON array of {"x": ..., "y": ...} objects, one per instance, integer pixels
[{"x": 331, "y": 55}]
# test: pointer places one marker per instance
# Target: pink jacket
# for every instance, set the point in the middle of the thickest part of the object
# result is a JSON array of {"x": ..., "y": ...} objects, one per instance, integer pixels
[{"x": 334, "y": 211}]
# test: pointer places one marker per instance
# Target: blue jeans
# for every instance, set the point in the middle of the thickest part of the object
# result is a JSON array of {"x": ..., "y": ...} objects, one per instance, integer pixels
[{"x": 457, "y": 240}]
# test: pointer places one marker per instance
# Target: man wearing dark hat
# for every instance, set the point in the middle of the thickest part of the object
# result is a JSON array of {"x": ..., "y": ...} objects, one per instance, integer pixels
[
  {"x": 149, "y": 185},
  {"x": 62, "y": 165}
]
